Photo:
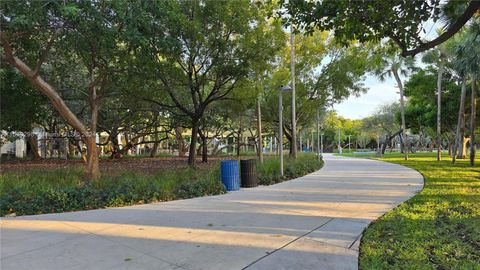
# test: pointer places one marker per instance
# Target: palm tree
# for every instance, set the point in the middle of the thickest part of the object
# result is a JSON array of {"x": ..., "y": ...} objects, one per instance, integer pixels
[
  {"x": 438, "y": 57},
  {"x": 392, "y": 65},
  {"x": 467, "y": 62}
]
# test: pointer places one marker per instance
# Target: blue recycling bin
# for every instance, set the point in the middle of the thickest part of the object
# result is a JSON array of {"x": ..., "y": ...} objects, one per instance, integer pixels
[{"x": 229, "y": 171}]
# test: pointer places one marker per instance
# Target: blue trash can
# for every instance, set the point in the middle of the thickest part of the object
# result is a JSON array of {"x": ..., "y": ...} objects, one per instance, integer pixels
[{"x": 229, "y": 171}]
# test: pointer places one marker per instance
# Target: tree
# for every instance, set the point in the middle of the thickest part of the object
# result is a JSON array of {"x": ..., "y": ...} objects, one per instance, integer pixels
[
  {"x": 392, "y": 65},
  {"x": 438, "y": 57},
  {"x": 22, "y": 106},
  {"x": 88, "y": 33},
  {"x": 420, "y": 112},
  {"x": 400, "y": 21},
  {"x": 383, "y": 123},
  {"x": 325, "y": 74},
  {"x": 467, "y": 62},
  {"x": 206, "y": 48}
]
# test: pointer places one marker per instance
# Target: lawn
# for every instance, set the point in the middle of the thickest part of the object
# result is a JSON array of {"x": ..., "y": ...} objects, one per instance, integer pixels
[
  {"x": 26, "y": 188},
  {"x": 439, "y": 228}
]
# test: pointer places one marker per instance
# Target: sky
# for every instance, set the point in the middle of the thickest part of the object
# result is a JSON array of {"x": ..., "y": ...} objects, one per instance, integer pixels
[{"x": 379, "y": 92}]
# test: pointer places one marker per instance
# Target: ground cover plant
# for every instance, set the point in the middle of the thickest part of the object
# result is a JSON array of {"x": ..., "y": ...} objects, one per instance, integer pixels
[
  {"x": 35, "y": 191},
  {"x": 439, "y": 228}
]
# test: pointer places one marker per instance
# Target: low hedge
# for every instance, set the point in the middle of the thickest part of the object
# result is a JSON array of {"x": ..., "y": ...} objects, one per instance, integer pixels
[
  {"x": 61, "y": 190},
  {"x": 269, "y": 171},
  {"x": 34, "y": 192}
]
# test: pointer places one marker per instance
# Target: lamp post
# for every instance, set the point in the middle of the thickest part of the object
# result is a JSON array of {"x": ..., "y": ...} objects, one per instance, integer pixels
[{"x": 280, "y": 124}]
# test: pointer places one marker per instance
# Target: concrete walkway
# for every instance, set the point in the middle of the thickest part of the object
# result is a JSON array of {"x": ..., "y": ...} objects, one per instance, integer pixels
[{"x": 313, "y": 222}]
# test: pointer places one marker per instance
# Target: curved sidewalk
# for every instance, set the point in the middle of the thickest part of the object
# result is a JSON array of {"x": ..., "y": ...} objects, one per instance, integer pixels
[{"x": 313, "y": 222}]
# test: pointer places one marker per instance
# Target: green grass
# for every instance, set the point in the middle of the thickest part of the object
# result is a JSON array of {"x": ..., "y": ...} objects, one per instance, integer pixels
[
  {"x": 439, "y": 228},
  {"x": 48, "y": 191}
]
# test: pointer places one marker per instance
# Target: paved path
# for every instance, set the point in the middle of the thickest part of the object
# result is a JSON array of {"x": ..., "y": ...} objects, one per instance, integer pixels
[{"x": 313, "y": 222}]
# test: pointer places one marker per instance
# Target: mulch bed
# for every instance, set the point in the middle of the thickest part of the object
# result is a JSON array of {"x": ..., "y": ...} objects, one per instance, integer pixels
[{"x": 144, "y": 165}]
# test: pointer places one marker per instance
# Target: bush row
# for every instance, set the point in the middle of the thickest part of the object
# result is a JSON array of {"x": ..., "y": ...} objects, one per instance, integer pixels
[
  {"x": 126, "y": 189},
  {"x": 269, "y": 171},
  {"x": 36, "y": 192}
]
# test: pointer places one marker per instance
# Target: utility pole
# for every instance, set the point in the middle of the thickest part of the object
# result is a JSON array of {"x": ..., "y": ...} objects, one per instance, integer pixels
[{"x": 292, "y": 70}]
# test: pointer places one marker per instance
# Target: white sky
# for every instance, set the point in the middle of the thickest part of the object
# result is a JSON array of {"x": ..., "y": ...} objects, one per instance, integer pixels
[{"x": 378, "y": 93}]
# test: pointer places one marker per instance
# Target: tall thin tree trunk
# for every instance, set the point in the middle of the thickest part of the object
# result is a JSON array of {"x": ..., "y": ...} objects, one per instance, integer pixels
[
  {"x": 439, "y": 109},
  {"x": 402, "y": 112},
  {"x": 93, "y": 170},
  {"x": 473, "y": 119},
  {"x": 259, "y": 131},
  {"x": 294, "y": 115},
  {"x": 193, "y": 143},
  {"x": 461, "y": 118},
  {"x": 459, "y": 136}
]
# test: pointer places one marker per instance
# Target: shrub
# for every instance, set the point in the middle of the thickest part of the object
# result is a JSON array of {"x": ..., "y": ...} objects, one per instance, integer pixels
[
  {"x": 269, "y": 171},
  {"x": 37, "y": 192}
]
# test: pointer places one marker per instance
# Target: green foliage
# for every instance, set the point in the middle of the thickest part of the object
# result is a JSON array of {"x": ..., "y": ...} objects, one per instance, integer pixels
[
  {"x": 269, "y": 171},
  {"x": 36, "y": 192},
  {"x": 439, "y": 228},
  {"x": 22, "y": 106},
  {"x": 421, "y": 110},
  {"x": 365, "y": 21}
]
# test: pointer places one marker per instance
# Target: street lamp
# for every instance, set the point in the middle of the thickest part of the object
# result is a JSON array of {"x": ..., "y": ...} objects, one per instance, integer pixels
[{"x": 280, "y": 124}]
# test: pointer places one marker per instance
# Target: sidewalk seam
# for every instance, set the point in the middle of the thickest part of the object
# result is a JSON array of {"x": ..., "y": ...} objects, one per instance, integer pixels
[{"x": 294, "y": 240}]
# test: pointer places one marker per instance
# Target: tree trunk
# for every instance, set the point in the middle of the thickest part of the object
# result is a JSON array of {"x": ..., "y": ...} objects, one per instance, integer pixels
[
  {"x": 71, "y": 150},
  {"x": 439, "y": 109},
  {"x": 294, "y": 146},
  {"x": 193, "y": 143},
  {"x": 153, "y": 152},
  {"x": 460, "y": 135},
  {"x": 33, "y": 141},
  {"x": 93, "y": 170},
  {"x": 56, "y": 100},
  {"x": 388, "y": 141},
  {"x": 402, "y": 112},
  {"x": 239, "y": 143},
  {"x": 204, "y": 146},
  {"x": 116, "y": 153},
  {"x": 461, "y": 114},
  {"x": 473, "y": 119},
  {"x": 180, "y": 141},
  {"x": 259, "y": 131}
]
